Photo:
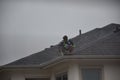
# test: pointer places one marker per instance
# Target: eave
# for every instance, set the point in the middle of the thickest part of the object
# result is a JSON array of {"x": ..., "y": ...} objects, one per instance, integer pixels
[{"x": 63, "y": 59}]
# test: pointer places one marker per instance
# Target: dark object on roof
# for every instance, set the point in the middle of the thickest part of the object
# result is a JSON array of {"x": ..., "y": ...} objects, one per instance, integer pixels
[
  {"x": 100, "y": 41},
  {"x": 80, "y": 32},
  {"x": 117, "y": 29}
]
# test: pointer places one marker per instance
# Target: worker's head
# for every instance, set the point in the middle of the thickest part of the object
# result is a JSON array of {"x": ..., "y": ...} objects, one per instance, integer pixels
[{"x": 65, "y": 38}]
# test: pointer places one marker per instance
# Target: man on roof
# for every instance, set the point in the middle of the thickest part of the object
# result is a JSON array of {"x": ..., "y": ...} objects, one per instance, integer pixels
[{"x": 66, "y": 46}]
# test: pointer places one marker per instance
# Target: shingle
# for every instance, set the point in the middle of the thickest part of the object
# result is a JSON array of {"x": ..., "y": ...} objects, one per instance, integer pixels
[{"x": 100, "y": 41}]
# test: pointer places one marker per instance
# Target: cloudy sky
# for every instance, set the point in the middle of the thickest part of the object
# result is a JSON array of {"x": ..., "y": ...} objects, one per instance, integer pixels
[{"x": 29, "y": 26}]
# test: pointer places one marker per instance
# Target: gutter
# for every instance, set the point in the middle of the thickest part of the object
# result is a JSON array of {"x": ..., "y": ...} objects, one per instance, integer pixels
[
  {"x": 62, "y": 59},
  {"x": 80, "y": 57}
]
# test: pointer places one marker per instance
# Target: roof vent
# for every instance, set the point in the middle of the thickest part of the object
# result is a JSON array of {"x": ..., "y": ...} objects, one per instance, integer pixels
[
  {"x": 80, "y": 32},
  {"x": 117, "y": 29}
]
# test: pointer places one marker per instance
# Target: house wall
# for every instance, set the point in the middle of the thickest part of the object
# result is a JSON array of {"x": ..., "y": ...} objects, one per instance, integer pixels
[
  {"x": 73, "y": 72},
  {"x": 21, "y": 74},
  {"x": 17, "y": 76},
  {"x": 5, "y": 75},
  {"x": 110, "y": 70}
]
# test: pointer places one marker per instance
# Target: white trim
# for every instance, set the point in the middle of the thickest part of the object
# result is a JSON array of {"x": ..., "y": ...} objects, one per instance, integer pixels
[{"x": 92, "y": 67}]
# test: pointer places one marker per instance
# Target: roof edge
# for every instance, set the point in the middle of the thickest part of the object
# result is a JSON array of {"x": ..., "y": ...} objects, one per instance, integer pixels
[{"x": 68, "y": 57}]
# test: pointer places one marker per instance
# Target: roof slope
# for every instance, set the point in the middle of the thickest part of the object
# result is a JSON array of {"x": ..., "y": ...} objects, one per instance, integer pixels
[{"x": 100, "y": 41}]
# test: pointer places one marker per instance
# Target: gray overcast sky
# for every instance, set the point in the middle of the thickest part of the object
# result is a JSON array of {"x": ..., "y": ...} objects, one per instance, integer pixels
[{"x": 29, "y": 26}]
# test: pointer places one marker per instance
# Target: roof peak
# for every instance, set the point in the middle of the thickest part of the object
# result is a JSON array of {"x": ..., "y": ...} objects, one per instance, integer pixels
[{"x": 112, "y": 25}]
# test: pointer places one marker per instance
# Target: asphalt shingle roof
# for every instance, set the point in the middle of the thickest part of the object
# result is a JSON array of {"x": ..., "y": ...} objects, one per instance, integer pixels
[{"x": 100, "y": 41}]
